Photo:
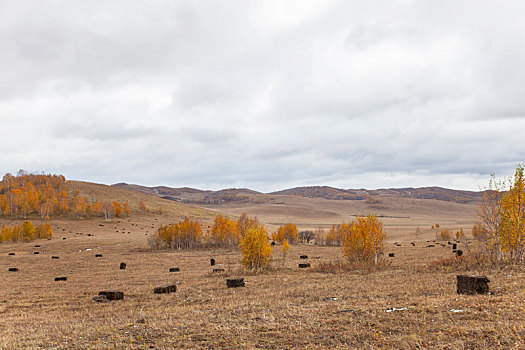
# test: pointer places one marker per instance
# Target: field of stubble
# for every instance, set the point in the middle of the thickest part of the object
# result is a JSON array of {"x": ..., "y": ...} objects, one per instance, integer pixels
[{"x": 285, "y": 307}]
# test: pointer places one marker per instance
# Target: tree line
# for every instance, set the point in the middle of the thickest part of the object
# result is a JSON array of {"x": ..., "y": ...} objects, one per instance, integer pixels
[
  {"x": 49, "y": 195},
  {"x": 26, "y": 232}
]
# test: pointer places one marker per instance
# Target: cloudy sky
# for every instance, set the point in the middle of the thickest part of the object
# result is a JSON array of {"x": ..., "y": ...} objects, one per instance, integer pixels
[{"x": 264, "y": 94}]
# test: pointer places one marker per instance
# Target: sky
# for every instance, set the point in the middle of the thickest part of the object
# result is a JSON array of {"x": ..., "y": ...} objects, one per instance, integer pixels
[{"x": 264, "y": 94}]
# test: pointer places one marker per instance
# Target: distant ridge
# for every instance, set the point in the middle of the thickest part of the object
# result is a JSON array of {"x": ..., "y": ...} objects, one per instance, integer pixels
[{"x": 196, "y": 196}]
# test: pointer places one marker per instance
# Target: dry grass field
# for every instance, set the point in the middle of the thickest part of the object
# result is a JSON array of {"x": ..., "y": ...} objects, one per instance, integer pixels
[{"x": 285, "y": 307}]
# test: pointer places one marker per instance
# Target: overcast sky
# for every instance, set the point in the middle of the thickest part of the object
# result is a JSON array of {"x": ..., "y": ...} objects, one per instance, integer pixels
[{"x": 264, "y": 94}]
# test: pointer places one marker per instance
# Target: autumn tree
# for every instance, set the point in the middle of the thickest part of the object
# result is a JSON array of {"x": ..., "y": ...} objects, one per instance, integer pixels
[
  {"x": 224, "y": 232},
  {"x": 513, "y": 217},
  {"x": 142, "y": 207},
  {"x": 288, "y": 232},
  {"x": 117, "y": 208},
  {"x": 126, "y": 209},
  {"x": 256, "y": 248},
  {"x": 364, "y": 241},
  {"x": 28, "y": 231},
  {"x": 185, "y": 234},
  {"x": 245, "y": 223},
  {"x": 490, "y": 214},
  {"x": 284, "y": 249}
]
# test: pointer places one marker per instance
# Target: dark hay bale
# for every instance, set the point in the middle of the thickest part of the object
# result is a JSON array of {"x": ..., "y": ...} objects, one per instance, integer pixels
[
  {"x": 100, "y": 225},
  {"x": 303, "y": 257},
  {"x": 100, "y": 299},
  {"x": 430, "y": 246},
  {"x": 472, "y": 285},
  {"x": 11, "y": 254},
  {"x": 55, "y": 257},
  {"x": 122, "y": 266},
  {"x": 64, "y": 238},
  {"x": 413, "y": 244},
  {"x": 35, "y": 253},
  {"x": 454, "y": 246},
  {"x": 459, "y": 252},
  {"x": 391, "y": 255},
  {"x": 166, "y": 289},
  {"x": 212, "y": 262},
  {"x": 112, "y": 295},
  {"x": 13, "y": 269},
  {"x": 273, "y": 243},
  {"x": 174, "y": 269},
  {"x": 218, "y": 270},
  {"x": 60, "y": 278},
  {"x": 235, "y": 282},
  {"x": 304, "y": 266},
  {"x": 89, "y": 234},
  {"x": 37, "y": 246},
  {"x": 98, "y": 255}
]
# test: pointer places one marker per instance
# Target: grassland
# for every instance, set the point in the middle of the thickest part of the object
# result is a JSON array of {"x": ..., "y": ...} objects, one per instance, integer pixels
[{"x": 285, "y": 307}]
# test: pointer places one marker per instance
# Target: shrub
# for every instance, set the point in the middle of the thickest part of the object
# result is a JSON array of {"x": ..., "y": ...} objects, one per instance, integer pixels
[{"x": 444, "y": 235}]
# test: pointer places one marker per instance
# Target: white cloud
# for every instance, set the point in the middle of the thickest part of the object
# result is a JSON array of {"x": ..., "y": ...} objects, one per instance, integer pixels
[{"x": 263, "y": 94}]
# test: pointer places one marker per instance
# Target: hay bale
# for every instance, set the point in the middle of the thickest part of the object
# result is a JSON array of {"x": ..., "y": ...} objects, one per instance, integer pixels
[
  {"x": 100, "y": 299},
  {"x": 98, "y": 255},
  {"x": 303, "y": 257},
  {"x": 37, "y": 245},
  {"x": 55, "y": 257},
  {"x": 430, "y": 246},
  {"x": 472, "y": 284},
  {"x": 304, "y": 266},
  {"x": 174, "y": 269},
  {"x": 454, "y": 246},
  {"x": 61, "y": 278},
  {"x": 122, "y": 266},
  {"x": 64, "y": 238},
  {"x": 218, "y": 270},
  {"x": 273, "y": 243},
  {"x": 112, "y": 295},
  {"x": 212, "y": 262},
  {"x": 172, "y": 288},
  {"x": 459, "y": 252},
  {"x": 11, "y": 254},
  {"x": 35, "y": 253},
  {"x": 13, "y": 269},
  {"x": 235, "y": 282},
  {"x": 391, "y": 255}
]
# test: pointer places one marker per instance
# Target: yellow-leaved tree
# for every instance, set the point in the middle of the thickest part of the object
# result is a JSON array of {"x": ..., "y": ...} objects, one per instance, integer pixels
[
  {"x": 513, "y": 217},
  {"x": 502, "y": 217},
  {"x": 364, "y": 240},
  {"x": 224, "y": 232},
  {"x": 256, "y": 248},
  {"x": 288, "y": 232}
]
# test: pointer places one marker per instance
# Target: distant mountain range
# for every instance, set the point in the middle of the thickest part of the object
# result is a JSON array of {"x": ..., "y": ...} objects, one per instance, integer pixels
[{"x": 206, "y": 197}]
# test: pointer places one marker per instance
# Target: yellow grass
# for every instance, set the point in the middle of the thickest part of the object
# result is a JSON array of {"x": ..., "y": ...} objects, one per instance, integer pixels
[{"x": 285, "y": 307}]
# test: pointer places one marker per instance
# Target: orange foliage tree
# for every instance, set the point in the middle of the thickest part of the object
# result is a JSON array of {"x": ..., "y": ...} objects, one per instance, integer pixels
[
  {"x": 26, "y": 232},
  {"x": 288, "y": 232},
  {"x": 256, "y": 248},
  {"x": 185, "y": 234},
  {"x": 224, "y": 232},
  {"x": 364, "y": 240}
]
